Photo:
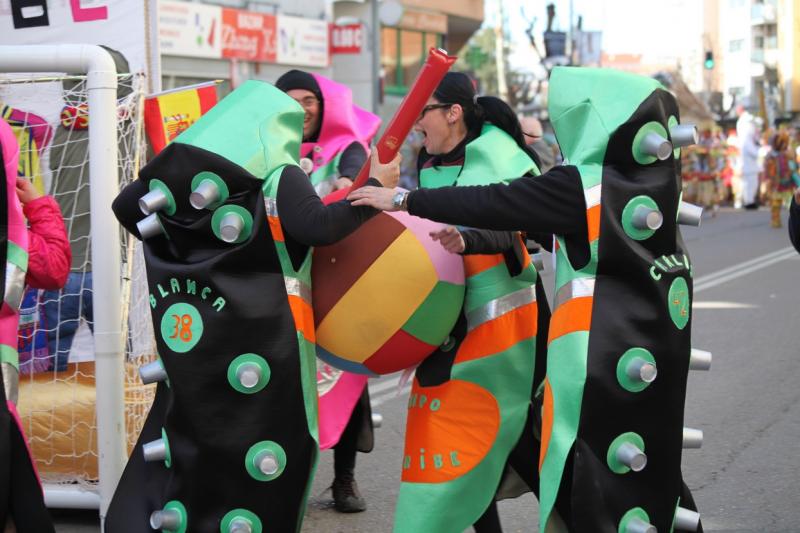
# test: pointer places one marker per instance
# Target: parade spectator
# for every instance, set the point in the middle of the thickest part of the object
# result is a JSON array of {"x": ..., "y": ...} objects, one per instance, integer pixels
[
  {"x": 747, "y": 130},
  {"x": 534, "y": 137},
  {"x": 49, "y": 254}
]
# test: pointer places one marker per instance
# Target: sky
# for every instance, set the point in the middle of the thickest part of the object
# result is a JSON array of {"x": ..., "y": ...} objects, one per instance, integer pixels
[{"x": 653, "y": 29}]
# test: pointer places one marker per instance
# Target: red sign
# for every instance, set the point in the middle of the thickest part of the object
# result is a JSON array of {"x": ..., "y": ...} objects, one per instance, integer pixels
[
  {"x": 249, "y": 36},
  {"x": 347, "y": 39}
]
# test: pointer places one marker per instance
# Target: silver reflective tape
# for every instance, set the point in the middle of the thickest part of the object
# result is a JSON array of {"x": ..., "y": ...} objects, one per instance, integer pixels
[
  {"x": 327, "y": 377},
  {"x": 295, "y": 287},
  {"x": 500, "y": 307},
  {"x": 271, "y": 205},
  {"x": 592, "y": 196},
  {"x": 10, "y": 382},
  {"x": 577, "y": 288},
  {"x": 15, "y": 285}
]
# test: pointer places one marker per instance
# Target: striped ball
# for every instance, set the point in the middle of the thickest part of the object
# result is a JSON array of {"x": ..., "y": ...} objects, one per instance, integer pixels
[{"x": 386, "y": 296}]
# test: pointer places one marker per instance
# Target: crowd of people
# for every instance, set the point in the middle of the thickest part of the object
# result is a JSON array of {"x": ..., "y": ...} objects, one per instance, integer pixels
[{"x": 743, "y": 167}]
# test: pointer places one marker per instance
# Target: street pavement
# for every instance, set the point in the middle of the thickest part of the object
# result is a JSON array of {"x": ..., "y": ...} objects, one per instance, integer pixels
[{"x": 746, "y": 477}]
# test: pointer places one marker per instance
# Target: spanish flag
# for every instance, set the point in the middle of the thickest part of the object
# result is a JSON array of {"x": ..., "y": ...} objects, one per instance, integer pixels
[{"x": 169, "y": 113}]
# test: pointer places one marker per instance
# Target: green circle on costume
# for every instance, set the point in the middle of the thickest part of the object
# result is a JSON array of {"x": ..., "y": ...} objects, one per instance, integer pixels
[
  {"x": 243, "y": 213},
  {"x": 251, "y": 359},
  {"x": 623, "y": 378},
  {"x": 257, "y": 449},
  {"x": 671, "y": 123},
  {"x": 627, "y": 217},
  {"x": 160, "y": 185},
  {"x": 177, "y": 506},
  {"x": 200, "y": 177},
  {"x": 611, "y": 456},
  {"x": 636, "y": 512},
  {"x": 181, "y": 327},
  {"x": 240, "y": 514},
  {"x": 168, "y": 458},
  {"x": 679, "y": 302},
  {"x": 650, "y": 127}
]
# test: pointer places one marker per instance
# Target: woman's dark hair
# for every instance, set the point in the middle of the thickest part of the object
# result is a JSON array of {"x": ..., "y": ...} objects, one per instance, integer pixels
[{"x": 458, "y": 88}]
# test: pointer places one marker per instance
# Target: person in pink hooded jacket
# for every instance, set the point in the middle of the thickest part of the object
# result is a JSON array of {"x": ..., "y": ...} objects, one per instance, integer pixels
[
  {"x": 336, "y": 137},
  {"x": 21, "y": 498}
]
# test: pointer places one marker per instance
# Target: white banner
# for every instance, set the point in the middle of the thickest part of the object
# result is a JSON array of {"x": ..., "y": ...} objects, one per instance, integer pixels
[
  {"x": 302, "y": 42},
  {"x": 193, "y": 30},
  {"x": 118, "y": 24}
]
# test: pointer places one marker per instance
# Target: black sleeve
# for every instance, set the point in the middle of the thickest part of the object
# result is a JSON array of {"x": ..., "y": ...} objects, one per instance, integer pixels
[
  {"x": 310, "y": 222},
  {"x": 352, "y": 160},
  {"x": 485, "y": 241},
  {"x": 794, "y": 224},
  {"x": 550, "y": 203}
]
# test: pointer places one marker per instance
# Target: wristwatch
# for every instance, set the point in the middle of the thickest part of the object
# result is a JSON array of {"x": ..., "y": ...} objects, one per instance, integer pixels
[{"x": 399, "y": 200}]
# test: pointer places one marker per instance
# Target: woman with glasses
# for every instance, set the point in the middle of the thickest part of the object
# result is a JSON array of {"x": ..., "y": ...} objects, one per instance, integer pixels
[
  {"x": 471, "y": 398},
  {"x": 336, "y": 135}
]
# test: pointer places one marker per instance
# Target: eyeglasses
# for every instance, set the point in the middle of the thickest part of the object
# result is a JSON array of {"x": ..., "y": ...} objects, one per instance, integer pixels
[
  {"x": 431, "y": 107},
  {"x": 308, "y": 102}
]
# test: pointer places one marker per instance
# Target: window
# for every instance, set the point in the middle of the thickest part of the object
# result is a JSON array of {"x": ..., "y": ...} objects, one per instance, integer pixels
[
  {"x": 736, "y": 45},
  {"x": 402, "y": 54}
]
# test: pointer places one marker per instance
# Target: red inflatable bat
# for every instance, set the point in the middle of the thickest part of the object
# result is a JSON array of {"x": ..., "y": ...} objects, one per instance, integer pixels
[{"x": 431, "y": 73}]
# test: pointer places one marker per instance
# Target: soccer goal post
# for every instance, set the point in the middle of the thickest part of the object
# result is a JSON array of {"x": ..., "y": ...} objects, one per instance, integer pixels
[{"x": 109, "y": 342}]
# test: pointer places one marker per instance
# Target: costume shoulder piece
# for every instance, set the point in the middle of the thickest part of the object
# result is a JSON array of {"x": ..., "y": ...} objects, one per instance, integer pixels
[
  {"x": 619, "y": 340},
  {"x": 492, "y": 157}
]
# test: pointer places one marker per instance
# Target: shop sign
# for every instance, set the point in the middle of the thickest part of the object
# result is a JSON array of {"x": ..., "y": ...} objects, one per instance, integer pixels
[
  {"x": 249, "y": 36},
  {"x": 347, "y": 39},
  {"x": 302, "y": 42},
  {"x": 193, "y": 30}
]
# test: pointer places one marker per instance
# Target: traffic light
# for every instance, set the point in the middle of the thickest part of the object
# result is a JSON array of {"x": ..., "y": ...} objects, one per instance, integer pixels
[{"x": 709, "y": 61}]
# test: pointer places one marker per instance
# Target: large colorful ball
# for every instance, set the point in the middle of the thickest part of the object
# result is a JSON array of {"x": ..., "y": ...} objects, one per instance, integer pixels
[{"x": 386, "y": 296}]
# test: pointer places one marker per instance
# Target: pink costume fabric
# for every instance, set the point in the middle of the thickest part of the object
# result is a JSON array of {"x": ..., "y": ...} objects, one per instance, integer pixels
[
  {"x": 21, "y": 495},
  {"x": 342, "y": 123},
  {"x": 17, "y": 254}
]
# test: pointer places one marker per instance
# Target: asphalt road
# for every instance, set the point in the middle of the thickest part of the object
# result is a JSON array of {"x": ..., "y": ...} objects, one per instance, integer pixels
[{"x": 746, "y": 477}]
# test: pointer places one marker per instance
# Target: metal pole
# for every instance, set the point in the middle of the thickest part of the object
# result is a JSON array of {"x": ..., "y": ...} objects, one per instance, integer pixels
[
  {"x": 376, "y": 56},
  {"x": 105, "y": 238},
  {"x": 500, "y": 60}
]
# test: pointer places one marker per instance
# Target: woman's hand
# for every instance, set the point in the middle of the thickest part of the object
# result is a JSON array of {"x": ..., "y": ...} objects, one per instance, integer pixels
[
  {"x": 26, "y": 192},
  {"x": 342, "y": 183},
  {"x": 377, "y": 197},
  {"x": 450, "y": 239},
  {"x": 388, "y": 174}
]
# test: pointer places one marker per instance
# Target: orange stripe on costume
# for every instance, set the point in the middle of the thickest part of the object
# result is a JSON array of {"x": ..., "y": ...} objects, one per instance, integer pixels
[
  {"x": 572, "y": 315},
  {"x": 475, "y": 264},
  {"x": 593, "y": 221},
  {"x": 275, "y": 229},
  {"x": 547, "y": 421},
  {"x": 499, "y": 334},
  {"x": 303, "y": 317}
]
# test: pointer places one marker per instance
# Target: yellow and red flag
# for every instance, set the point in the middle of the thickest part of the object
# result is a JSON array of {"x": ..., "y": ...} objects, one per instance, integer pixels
[{"x": 168, "y": 113}]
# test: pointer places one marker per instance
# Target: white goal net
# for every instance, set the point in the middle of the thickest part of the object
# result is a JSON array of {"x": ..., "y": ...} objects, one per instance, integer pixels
[{"x": 57, "y": 378}]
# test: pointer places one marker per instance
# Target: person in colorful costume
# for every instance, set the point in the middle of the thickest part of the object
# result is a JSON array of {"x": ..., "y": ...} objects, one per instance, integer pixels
[
  {"x": 336, "y": 132},
  {"x": 336, "y": 137},
  {"x": 619, "y": 339},
  {"x": 230, "y": 443},
  {"x": 470, "y": 399},
  {"x": 780, "y": 173},
  {"x": 21, "y": 498}
]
